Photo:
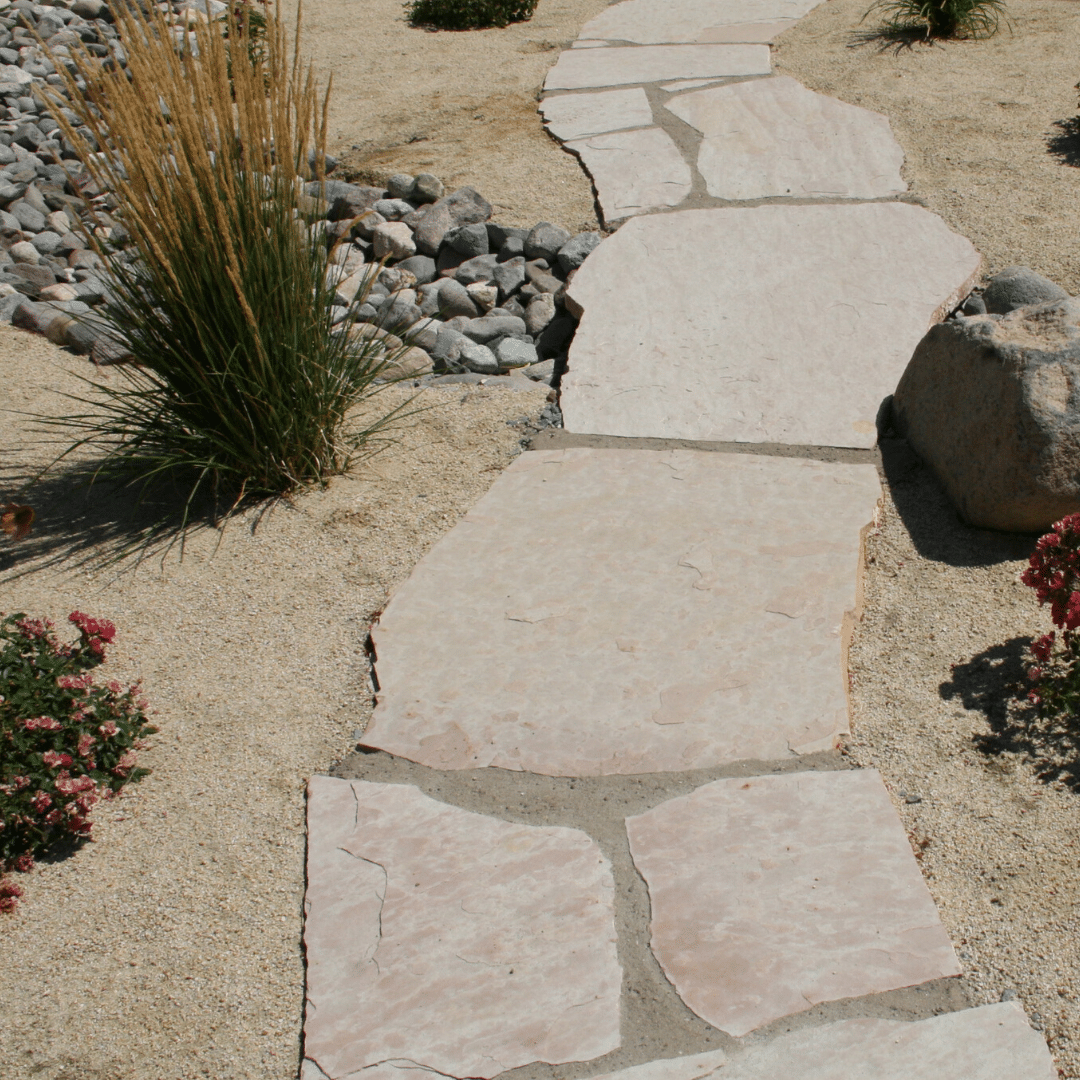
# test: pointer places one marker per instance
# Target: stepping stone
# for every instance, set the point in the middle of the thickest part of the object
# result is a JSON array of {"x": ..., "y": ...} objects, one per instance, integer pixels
[
  {"x": 773, "y": 137},
  {"x": 451, "y": 942},
  {"x": 994, "y": 1042},
  {"x": 788, "y": 324},
  {"x": 575, "y": 116},
  {"x": 634, "y": 171},
  {"x": 647, "y": 22},
  {"x": 774, "y": 894},
  {"x": 582, "y": 69},
  {"x": 607, "y": 611}
]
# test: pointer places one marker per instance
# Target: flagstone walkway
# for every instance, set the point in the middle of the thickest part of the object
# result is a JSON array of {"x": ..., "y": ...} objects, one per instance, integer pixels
[{"x": 600, "y": 827}]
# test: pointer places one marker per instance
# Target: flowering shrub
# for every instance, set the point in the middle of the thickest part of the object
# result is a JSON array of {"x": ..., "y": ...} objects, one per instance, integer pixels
[
  {"x": 1054, "y": 574},
  {"x": 65, "y": 742}
]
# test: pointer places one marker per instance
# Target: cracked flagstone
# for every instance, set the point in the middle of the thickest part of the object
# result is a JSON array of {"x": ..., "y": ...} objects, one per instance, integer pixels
[
  {"x": 634, "y": 171},
  {"x": 646, "y": 22},
  {"x": 611, "y": 611},
  {"x": 993, "y": 1042},
  {"x": 581, "y": 69},
  {"x": 451, "y": 942},
  {"x": 774, "y": 137},
  {"x": 773, "y": 894},
  {"x": 575, "y": 116},
  {"x": 790, "y": 324}
]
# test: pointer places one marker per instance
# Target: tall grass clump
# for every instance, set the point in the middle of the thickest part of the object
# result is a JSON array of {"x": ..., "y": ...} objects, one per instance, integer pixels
[
  {"x": 468, "y": 14},
  {"x": 940, "y": 18},
  {"x": 238, "y": 386}
]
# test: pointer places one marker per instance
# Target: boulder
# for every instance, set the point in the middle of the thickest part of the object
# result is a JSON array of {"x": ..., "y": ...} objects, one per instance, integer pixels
[
  {"x": 426, "y": 188},
  {"x": 468, "y": 240},
  {"x": 992, "y": 404},
  {"x": 1018, "y": 286},
  {"x": 462, "y": 207}
]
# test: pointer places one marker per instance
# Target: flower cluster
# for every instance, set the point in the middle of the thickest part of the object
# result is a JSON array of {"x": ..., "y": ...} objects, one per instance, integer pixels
[
  {"x": 1054, "y": 573},
  {"x": 65, "y": 742}
]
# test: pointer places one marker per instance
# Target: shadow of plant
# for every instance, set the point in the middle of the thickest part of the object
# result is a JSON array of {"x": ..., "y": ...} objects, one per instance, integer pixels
[
  {"x": 994, "y": 683},
  {"x": 93, "y": 524},
  {"x": 1065, "y": 145},
  {"x": 892, "y": 39}
]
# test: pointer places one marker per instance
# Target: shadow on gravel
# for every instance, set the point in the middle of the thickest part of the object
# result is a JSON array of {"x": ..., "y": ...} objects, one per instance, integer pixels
[
  {"x": 100, "y": 524},
  {"x": 1065, "y": 145},
  {"x": 929, "y": 516},
  {"x": 993, "y": 682}
]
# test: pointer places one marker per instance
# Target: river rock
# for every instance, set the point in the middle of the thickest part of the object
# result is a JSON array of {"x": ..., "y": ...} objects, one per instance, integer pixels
[
  {"x": 454, "y": 300},
  {"x": 574, "y": 252},
  {"x": 393, "y": 239},
  {"x": 1018, "y": 286},
  {"x": 545, "y": 241},
  {"x": 539, "y": 313},
  {"x": 992, "y": 404},
  {"x": 462, "y": 207}
]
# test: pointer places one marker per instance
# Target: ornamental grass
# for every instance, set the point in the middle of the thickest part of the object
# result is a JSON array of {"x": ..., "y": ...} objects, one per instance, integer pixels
[
  {"x": 940, "y": 18},
  {"x": 239, "y": 385}
]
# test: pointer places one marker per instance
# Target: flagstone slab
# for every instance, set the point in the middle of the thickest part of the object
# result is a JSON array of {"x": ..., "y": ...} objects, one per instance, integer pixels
[
  {"x": 575, "y": 116},
  {"x": 610, "y": 611},
  {"x": 634, "y": 171},
  {"x": 584, "y": 69},
  {"x": 790, "y": 324},
  {"x": 647, "y": 22},
  {"x": 774, "y": 894},
  {"x": 993, "y": 1042},
  {"x": 449, "y": 942},
  {"x": 774, "y": 137}
]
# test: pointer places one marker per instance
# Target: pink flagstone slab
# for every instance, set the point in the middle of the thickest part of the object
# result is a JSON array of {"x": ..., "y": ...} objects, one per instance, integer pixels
[
  {"x": 993, "y": 1042},
  {"x": 450, "y": 942},
  {"x": 774, "y": 137},
  {"x": 581, "y": 69},
  {"x": 649, "y": 22},
  {"x": 575, "y": 116},
  {"x": 615, "y": 611},
  {"x": 773, "y": 894},
  {"x": 634, "y": 171},
  {"x": 789, "y": 323}
]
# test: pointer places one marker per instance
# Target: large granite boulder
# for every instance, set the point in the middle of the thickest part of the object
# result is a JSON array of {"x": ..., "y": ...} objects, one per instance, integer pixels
[{"x": 992, "y": 404}]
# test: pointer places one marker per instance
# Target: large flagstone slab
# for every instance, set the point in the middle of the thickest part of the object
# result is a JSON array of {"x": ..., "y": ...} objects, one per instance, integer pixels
[
  {"x": 774, "y": 323},
  {"x": 648, "y": 22},
  {"x": 634, "y": 171},
  {"x": 582, "y": 69},
  {"x": 450, "y": 943},
  {"x": 575, "y": 116},
  {"x": 774, "y": 894},
  {"x": 627, "y": 611},
  {"x": 993, "y": 1042},
  {"x": 774, "y": 137}
]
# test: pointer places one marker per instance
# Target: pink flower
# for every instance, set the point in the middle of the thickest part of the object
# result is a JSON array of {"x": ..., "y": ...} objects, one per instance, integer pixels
[
  {"x": 108, "y": 729},
  {"x": 125, "y": 764},
  {"x": 55, "y": 760},
  {"x": 40, "y": 802},
  {"x": 20, "y": 782},
  {"x": 42, "y": 723},
  {"x": 86, "y": 741},
  {"x": 52, "y": 817},
  {"x": 23, "y": 863},
  {"x": 75, "y": 682},
  {"x": 72, "y": 785},
  {"x": 94, "y": 633},
  {"x": 34, "y": 628}
]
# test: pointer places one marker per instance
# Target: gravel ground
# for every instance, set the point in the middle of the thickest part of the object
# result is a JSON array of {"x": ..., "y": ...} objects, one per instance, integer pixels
[
  {"x": 170, "y": 947},
  {"x": 988, "y": 796}
]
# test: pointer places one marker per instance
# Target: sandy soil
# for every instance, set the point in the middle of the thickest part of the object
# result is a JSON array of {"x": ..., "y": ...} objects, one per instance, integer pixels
[
  {"x": 170, "y": 947},
  {"x": 989, "y": 128},
  {"x": 461, "y": 105}
]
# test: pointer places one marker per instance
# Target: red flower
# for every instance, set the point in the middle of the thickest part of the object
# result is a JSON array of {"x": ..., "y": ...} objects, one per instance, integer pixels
[
  {"x": 55, "y": 760},
  {"x": 40, "y": 802},
  {"x": 68, "y": 785},
  {"x": 94, "y": 633},
  {"x": 1042, "y": 647},
  {"x": 75, "y": 682},
  {"x": 52, "y": 817},
  {"x": 23, "y": 863},
  {"x": 125, "y": 764},
  {"x": 86, "y": 741},
  {"x": 108, "y": 729}
]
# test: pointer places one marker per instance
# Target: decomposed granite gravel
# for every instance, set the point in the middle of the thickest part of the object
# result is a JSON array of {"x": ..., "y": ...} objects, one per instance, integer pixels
[
  {"x": 171, "y": 946},
  {"x": 990, "y": 802}
]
